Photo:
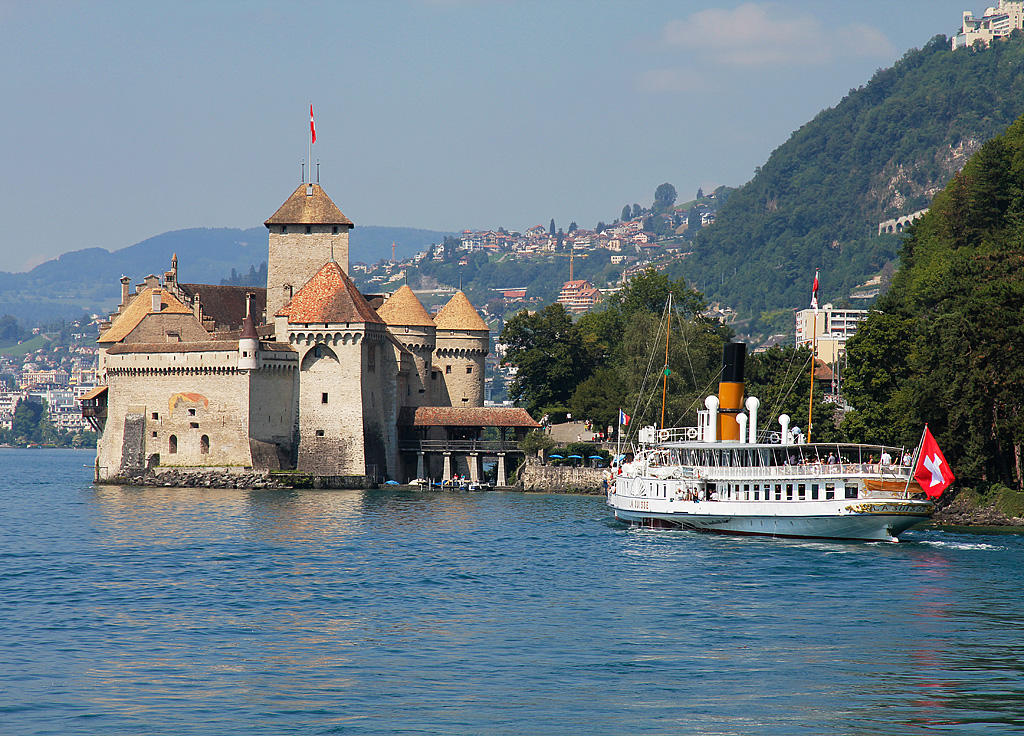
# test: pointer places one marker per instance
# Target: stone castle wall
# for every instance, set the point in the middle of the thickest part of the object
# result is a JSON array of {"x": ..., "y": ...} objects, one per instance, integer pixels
[
  {"x": 459, "y": 361},
  {"x": 294, "y": 257}
]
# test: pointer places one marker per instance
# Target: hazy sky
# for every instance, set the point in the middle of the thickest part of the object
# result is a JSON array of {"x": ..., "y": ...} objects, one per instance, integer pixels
[{"x": 120, "y": 121}]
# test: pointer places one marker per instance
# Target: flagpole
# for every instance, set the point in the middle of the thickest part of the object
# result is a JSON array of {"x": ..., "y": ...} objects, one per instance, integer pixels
[
  {"x": 913, "y": 461},
  {"x": 814, "y": 355},
  {"x": 311, "y": 141}
]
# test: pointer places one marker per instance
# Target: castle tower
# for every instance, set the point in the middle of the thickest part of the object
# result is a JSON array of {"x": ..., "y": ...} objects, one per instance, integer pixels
[
  {"x": 463, "y": 341},
  {"x": 346, "y": 415},
  {"x": 306, "y": 232},
  {"x": 410, "y": 324}
]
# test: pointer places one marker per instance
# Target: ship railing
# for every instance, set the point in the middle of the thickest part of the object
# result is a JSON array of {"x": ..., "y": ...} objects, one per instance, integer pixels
[
  {"x": 678, "y": 434},
  {"x": 891, "y": 472}
]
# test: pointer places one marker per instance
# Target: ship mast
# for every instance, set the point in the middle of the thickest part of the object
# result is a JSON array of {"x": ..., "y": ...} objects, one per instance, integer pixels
[{"x": 665, "y": 372}]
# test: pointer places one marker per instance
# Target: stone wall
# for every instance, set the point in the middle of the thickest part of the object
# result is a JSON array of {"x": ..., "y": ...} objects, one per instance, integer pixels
[
  {"x": 561, "y": 479},
  {"x": 459, "y": 361},
  {"x": 295, "y": 256}
]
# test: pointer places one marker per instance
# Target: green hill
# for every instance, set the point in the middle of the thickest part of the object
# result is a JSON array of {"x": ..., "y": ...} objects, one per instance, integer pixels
[
  {"x": 945, "y": 346},
  {"x": 883, "y": 151}
]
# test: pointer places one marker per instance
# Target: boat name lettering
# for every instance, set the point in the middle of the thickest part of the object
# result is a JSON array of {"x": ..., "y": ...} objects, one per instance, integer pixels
[{"x": 887, "y": 508}]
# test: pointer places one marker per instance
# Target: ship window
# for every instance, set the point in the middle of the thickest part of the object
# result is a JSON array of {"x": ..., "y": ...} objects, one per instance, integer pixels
[
  {"x": 814, "y": 491},
  {"x": 789, "y": 491},
  {"x": 757, "y": 493},
  {"x": 746, "y": 491},
  {"x": 778, "y": 491},
  {"x": 830, "y": 491},
  {"x": 801, "y": 491},
  {"x": 851, "y": 491}
]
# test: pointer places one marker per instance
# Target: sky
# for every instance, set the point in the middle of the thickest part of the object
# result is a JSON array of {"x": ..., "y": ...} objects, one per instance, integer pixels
[{"x": 123, "y": 120}]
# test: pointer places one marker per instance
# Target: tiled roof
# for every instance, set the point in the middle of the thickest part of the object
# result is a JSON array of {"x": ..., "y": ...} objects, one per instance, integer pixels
[
  {"x": 225, "y": 305},
  {"x": 449, "y": 416},
  {"x": 137, "y": 310},
  {"x": 315, "y": 208},
  {"x": 206, "y": 346},
  {"x": 458, "y": 314},
  {"x": 404, "y": 309},
  {"x": 329, "y": 297}
]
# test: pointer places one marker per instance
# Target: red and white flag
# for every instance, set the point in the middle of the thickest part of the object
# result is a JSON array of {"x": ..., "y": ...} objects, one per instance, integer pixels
[
  {"x": 312, "y": 127},
  {"x": 623, "y": 418},
  {"x": 932, "y": 470},
  {"x": 814, "y": 292}
]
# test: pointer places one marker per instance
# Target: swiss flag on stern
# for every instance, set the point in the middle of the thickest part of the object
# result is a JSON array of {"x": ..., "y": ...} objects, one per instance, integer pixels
[{"x": 932, "y": 470}]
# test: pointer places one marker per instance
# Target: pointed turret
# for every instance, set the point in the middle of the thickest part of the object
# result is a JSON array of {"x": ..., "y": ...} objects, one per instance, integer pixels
[
  {"x": 249, "y": 343},
  {"x": 463, "y": 341},
  {"x": 410, "y": 324}
]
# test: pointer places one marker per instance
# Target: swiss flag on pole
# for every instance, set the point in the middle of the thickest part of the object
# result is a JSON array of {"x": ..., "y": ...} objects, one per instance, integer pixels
[
  {"x": 932, "y": 470},
  {"x": 814, "y": 292},
  {"x": 312, "y": 127}
]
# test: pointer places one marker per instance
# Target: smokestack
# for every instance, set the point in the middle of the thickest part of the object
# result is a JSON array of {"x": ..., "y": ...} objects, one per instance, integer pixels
[
  {"x": 730, "y": 390},
  {"x": 156, "y": 300}
]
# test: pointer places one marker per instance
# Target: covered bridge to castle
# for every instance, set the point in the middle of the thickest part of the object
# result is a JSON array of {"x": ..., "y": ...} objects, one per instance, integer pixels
[{"x": 455, "y": 435}]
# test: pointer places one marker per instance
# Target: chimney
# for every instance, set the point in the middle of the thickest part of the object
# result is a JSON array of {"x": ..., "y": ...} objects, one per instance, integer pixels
[
  {"x": 156, "y": 300},
  {"x": 125, "y": 284}
]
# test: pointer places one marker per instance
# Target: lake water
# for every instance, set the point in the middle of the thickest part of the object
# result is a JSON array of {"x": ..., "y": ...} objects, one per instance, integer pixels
[{"x": 160, "y": 611}]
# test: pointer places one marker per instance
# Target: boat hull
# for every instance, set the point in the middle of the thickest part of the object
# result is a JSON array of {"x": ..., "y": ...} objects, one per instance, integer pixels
[{"x": 876, "y": 522}]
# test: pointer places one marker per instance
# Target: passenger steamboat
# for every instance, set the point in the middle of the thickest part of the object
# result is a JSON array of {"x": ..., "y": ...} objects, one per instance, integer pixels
[{"x": 724, "y": 476}]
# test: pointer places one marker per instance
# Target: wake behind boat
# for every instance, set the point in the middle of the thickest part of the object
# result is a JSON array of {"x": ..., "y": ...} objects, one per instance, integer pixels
[{"x": 717, "y": 477}]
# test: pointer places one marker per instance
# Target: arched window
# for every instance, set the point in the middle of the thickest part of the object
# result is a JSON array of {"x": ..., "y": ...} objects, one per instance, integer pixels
[
  {"x": 204, "y": 445},
  {"x": 172, "y": 444}
]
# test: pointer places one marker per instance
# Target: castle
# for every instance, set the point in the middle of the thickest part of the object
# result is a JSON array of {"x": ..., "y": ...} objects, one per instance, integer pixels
[{"x": 306, "y": 374}]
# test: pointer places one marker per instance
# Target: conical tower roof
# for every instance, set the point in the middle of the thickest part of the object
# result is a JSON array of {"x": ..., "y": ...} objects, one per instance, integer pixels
[
  {"x": 308, "y": 205},
  {"x": 459, "y": 314},
  {"x": 329, "y": 297},
  {"x": 403, "y": 309}
]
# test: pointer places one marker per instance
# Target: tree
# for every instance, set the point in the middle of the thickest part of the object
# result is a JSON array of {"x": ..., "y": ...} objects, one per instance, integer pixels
[
  {"x": 600, "y": 227},
  {"x": 700, "y": 193},
  {"x": 664, "y": 197},
  {"x": 637, "y": 211},
  {"x": 599, "y": 398},
  {"x": 548, "y": 351},
  {"x": 551, "y": 227},
  {"x": 573, "y": 227},
  {"x": 626, "y": 213}
]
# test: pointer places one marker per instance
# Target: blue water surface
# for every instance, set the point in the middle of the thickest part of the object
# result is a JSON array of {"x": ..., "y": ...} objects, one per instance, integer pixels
[{"x": 171, "y": 611}]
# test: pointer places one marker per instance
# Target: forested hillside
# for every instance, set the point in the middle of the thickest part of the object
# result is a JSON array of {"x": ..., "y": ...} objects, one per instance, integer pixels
[
  {"x": 884, "y": 150},
  {"x": 945, "y": 347}
]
